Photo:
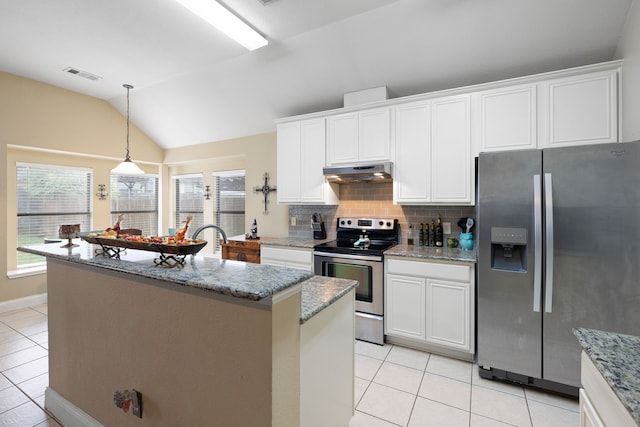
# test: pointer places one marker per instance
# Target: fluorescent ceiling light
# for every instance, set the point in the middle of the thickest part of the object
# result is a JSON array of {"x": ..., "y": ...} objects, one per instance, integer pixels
[{"x": 221, "y": 18}]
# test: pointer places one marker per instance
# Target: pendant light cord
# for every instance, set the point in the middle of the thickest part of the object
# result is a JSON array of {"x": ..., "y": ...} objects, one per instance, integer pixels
[{"x": 128, "y": 87}]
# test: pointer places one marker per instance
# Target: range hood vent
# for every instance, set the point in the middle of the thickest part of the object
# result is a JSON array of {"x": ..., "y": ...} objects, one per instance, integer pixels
[{"x": 379, "y": 172}]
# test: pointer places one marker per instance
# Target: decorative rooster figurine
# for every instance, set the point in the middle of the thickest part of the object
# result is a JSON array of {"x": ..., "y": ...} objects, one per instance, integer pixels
[
  {"x": 183, "y": 231},
  {"x": 115, "y": 230}
]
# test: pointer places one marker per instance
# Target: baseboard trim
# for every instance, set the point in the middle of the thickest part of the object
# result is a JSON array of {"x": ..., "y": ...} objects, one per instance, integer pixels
[
  {"x": 66, "y": 412},
  {"x": 18, "y": 303}
]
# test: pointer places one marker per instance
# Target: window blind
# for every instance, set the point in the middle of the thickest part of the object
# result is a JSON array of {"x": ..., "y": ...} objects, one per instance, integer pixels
[
  {"x": 135, "y": 196},
  {"x": 189, "y": 201}
]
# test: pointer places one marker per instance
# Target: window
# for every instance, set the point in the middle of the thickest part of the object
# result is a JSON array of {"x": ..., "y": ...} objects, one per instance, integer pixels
[
  {"x": 47, "y": 197},
  {"x": 135, "y": 196},
  {"x": 189, "y": 201},
  {"x": 230, "y": 194}
]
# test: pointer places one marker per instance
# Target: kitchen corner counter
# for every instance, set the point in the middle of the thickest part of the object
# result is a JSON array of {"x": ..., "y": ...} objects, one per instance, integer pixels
[
  {"x": 427, "y": 252},
  {"x": 320, "y": 292},
  {"x": 617, "y": 359}
]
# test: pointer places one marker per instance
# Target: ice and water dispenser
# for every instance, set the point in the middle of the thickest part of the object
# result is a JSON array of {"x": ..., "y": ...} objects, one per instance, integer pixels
[{"x": 509, "y": 249}]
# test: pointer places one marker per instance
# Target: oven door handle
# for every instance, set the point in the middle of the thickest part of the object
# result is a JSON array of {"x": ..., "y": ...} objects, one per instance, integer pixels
[{"x": 349, "y": 256}]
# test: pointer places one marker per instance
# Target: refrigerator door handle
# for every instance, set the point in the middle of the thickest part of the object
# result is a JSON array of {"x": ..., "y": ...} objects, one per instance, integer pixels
[
  {"x": 548, "y": 204},
  {"x": 537, "y": 244}
]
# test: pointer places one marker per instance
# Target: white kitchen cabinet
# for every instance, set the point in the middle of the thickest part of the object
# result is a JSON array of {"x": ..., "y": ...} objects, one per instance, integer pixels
[
  {"x": 599, "y": 405},
  {"x": 300, "y": 258},
  {"x": 405, "y": 305},
  {"x": 430, "y": 305},
  {"x": 433, "y": 152},
  {"x": 359, "y": 137},
  {"x": 506, "y": 118},
  {"x": 301, "y": 155},
  {"x": 579, "y": 110}
]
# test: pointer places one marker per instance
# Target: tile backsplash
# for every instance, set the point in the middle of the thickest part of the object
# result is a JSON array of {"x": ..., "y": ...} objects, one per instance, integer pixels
[{"x": 373, "y": 200}]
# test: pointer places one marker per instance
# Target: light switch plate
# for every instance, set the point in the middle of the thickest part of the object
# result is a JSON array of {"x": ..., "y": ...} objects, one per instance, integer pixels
[{"x": 446, "y": 228}]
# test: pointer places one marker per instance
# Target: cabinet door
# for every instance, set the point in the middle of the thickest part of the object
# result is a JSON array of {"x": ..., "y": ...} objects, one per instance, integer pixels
[
  {"x": 404, "y": 306},
  {"x": 448, "y": 310},
  {"x": 507, "y": 118},
  {"x": 579, "y": 110},
  {"x": 588, "y": 415},
  {"x": 374, "y": 135},
  {"x": 451, "y": 150},
  {"x": 342, "y": 138},
  {"x": 288, "y": 157},
  {"x": 412, "y": 181},
  {"x": 312, "y": 159}
]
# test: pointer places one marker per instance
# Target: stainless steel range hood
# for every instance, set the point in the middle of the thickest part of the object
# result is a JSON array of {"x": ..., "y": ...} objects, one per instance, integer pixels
[{"x": 378, "y": 172}]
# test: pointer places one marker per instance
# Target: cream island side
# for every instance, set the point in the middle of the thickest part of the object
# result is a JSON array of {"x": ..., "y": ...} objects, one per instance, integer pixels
[{"x": 242, "y": 344}]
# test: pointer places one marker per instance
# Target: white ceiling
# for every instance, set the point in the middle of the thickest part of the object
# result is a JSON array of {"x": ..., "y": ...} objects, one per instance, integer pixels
[{"x": 193, "y": 85}]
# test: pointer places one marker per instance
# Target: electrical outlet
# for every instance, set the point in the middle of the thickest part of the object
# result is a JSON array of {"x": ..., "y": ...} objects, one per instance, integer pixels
[
  {"x": 294, "y": 221},
  {"x": 446, "y": 228}
]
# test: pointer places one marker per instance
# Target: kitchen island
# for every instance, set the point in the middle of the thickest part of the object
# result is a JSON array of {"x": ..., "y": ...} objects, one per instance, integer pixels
[{"x": 228, "y": 342}]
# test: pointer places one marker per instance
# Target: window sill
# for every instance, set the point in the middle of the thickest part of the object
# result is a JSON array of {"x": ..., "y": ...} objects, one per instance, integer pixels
[{"x": 26, "y": 272}]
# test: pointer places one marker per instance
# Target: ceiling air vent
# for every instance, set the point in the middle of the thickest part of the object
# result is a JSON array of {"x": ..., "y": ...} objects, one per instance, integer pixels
[
  {"x": 81, "y": 73},
  {"x": 266, "y": 2}
]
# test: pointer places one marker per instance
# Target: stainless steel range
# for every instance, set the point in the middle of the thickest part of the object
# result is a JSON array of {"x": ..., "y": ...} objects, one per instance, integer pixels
[{"x": 356, "y": 254}]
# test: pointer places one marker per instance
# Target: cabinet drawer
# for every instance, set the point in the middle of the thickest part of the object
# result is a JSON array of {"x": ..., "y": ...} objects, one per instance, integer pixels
[
  {"x": 297, "y": 256},
  {"x": 436, "y": 270}
]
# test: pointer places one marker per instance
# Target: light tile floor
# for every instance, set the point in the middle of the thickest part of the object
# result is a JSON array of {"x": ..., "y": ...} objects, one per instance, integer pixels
[
  {"x": 24, "y": 368},
  {"x": 395, "y": 386}
]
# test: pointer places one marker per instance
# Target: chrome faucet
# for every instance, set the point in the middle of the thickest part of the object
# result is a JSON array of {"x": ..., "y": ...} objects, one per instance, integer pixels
[{"x": 204, "y": 227}]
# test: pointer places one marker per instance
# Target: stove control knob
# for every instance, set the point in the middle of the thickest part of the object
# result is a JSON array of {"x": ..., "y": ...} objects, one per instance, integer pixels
[
  {"x": 389, "y": 224},
  {"x": 349, "y": 222},
  {"x": 342, "y": 222},
  {"x": 381, "y": 223}
]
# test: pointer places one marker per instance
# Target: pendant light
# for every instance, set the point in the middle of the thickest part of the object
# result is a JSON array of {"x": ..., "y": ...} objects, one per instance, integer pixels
[{"x": 127, "y": 167}]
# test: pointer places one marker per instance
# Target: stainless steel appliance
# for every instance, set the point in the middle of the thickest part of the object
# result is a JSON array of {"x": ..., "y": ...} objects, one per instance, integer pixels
[
  {"x": 559, "y": 248},
  {"x": 345, "y": 174},
  {"x": 357, "y": 254}
]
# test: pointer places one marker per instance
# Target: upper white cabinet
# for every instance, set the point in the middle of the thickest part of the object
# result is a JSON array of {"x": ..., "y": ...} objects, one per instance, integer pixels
[
  {"x": 579, "y": 110},
  {"x": 301, "y": 155},
  {"x": 506, "y": 118},
  {"x": 433, "y": 152},
  {"x": 361, "y": 136}
]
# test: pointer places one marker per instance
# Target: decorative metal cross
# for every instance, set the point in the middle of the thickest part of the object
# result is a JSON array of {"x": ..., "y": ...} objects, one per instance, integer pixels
[{"x": 265, "y": 190}]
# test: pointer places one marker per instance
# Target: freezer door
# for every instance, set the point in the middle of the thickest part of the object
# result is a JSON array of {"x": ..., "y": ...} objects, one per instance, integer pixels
[
  {"x": 509, "y": 316},
  {"x": 596, "y": 252}
]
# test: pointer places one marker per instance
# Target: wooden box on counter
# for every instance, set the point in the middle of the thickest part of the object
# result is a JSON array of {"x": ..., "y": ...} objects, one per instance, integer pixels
[{"x": 239, "y": 248}]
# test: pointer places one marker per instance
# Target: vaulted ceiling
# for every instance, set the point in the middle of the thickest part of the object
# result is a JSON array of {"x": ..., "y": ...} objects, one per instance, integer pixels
[{"x": 194, "y": 85}]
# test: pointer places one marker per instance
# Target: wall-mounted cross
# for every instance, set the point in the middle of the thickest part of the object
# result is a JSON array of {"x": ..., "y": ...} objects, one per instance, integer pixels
[{"x": 265, "y": 190}]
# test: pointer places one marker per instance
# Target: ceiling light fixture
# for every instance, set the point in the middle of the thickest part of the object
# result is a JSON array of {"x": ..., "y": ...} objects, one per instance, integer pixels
[
  {"x": 127, "y": 167},
  {"x": 221, "y": 18}
]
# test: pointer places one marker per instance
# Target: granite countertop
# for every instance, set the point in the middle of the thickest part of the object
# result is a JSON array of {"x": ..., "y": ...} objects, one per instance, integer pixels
[
  {"x": 617, "y": 358},
  {"x": 320, "y": 292},
  {"x": 255, "y": 282},
  {"x": 428, "y": 252}
]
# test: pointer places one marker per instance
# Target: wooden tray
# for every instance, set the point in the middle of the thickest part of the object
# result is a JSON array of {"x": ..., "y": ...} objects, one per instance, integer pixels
[{"x": 187, "y": 249}]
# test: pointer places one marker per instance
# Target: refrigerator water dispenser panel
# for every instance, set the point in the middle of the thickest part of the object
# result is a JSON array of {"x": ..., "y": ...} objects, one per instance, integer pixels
[{"x": 509, "y": 249}]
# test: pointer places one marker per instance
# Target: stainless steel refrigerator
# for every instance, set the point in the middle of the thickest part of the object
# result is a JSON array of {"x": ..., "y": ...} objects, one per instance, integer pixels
[{"x": 559, "y": 248}]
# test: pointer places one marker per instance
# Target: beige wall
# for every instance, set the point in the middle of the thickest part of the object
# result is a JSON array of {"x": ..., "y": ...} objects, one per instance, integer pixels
[
  {"x": 257, "y": 155},
  {"x": 40, "y": 123},
  {"x": 629, "y": 50}
]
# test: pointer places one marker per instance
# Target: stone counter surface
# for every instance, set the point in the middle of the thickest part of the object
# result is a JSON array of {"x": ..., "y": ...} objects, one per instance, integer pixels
[
  {"x": 617, "y": 358},
  {"x": 237, "y": 279},
  {"x": 232, "y": 278},
  {"x": 427, "y": 252}
]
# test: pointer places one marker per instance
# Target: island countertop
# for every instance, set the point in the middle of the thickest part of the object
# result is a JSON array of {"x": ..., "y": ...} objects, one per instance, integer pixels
[
  {"x": 254, "y": 282},
  {"x": 617, "y": 358},
  {"x": 237, "y": 279}
]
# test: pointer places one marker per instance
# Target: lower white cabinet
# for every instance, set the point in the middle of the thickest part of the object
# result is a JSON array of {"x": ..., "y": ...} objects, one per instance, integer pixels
[
  {"x": 301, "y": 258},
  {"x": 430, "y": 305},
  {"x": 599, "y": 405}
]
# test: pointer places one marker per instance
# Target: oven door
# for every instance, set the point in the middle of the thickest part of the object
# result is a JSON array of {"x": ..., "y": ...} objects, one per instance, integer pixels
[{"x": 367, "y": 270}]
